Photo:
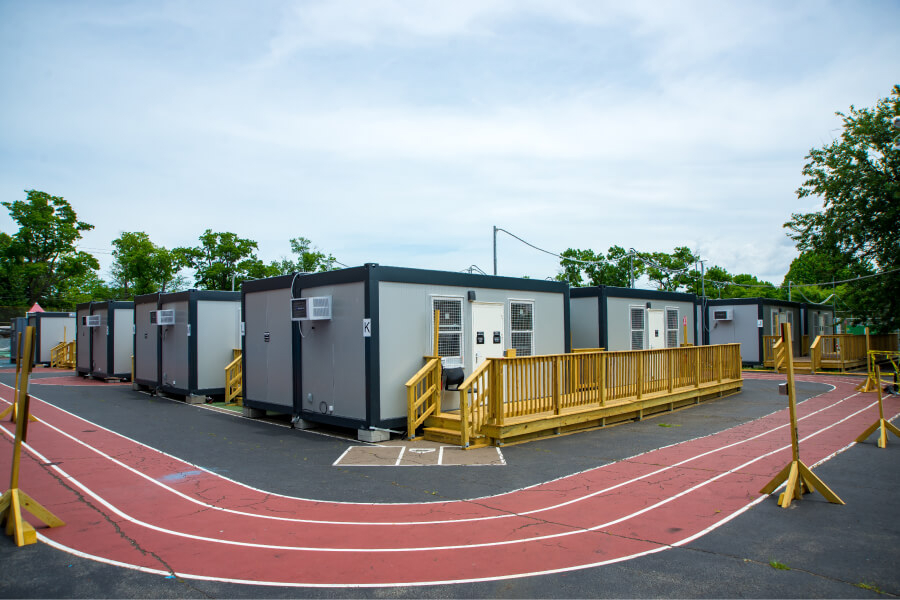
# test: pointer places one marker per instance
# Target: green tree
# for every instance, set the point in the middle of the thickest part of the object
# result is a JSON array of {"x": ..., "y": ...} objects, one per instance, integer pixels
[
  {"x": 670, "y": 272},
  {"x": 40, "y": 261},
  {"x": 858, "y": 179},
  {"x": 141, "y": 267},
  {"x": 308, "y": 259},
  {"x": 222, "y": 260},
  {"x": 585, "y": 267}
]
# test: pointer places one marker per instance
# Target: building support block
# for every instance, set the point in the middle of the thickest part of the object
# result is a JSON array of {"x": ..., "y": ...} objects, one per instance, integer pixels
[{"x": 373, "y": 436}]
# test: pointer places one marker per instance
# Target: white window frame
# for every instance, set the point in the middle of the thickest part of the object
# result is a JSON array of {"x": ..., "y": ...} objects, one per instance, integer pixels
[
  {"x": 632, "y": 330},
  {"x": 676, "y": 329},
  {"x": 510, "y": 303},
  {"x": 449, "y": 361}
]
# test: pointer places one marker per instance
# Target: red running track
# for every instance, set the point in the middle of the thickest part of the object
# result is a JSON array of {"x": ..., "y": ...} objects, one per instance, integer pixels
[{"x": 131, "y": 505}]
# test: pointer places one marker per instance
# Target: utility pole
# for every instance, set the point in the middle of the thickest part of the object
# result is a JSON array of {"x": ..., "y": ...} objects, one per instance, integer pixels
[
  {"x": 789, "y": 290},
  {"x": 631, "y": 268},
  {"x": 495, "y": 249},
  {"x": 702, "y": 279}
]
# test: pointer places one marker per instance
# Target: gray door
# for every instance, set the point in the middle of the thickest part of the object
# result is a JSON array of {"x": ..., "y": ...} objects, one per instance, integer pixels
[
  {"x": 146, "y": 337},
  {"x": 268, "y": 328},
  {"x": 100, "y": 337},
  {"x": 83, "y": 342},
  {"x": 174, "y": 348}
]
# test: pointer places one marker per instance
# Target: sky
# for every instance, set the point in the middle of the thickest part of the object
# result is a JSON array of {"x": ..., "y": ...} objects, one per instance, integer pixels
[{"x": 402, "y": 131}]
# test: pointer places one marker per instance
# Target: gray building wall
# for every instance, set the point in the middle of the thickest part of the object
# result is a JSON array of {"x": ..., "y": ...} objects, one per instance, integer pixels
[
  {"x": 99, "y": 339},
  {"x": 146, "y": 343},
  {"x": 333, "y": 354},
  {"x": 618, "y": 325},
  {"x": 796, "y": 324},
  {"x": 83, "y": 341},
  {"x": 174, "y": 347},
  {"x": 406, "y": 321},
  {"x": 269, "y": 359},
  {"x": 742, "y": 329},
  {"x": 585, "y": 322}
]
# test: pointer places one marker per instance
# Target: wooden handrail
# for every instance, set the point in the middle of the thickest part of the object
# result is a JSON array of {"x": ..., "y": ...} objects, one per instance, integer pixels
[
  {"x": 515, "y": 388},
  {"x": 423, "y": 395},
  {"x": 234, "y": 378},
  {"x": 815, "y": 354}
]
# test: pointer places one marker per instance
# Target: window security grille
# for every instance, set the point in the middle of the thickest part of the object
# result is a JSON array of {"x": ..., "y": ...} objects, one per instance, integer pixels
[
  {"x": 521, "y": 327},
  {"x": 637, "y": 327},
  {"x": 671, "y": 327},
  {"x": 450, "y": 340}
]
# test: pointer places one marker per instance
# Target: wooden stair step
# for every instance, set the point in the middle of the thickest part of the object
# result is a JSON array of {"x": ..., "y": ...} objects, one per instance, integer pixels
[
  {"x": 452, "y": 436},
  {"x": 444, "y": 436}
]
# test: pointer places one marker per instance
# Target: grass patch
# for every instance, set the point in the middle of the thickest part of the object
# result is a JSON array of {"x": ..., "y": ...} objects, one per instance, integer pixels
[
  {"x": 870, "y": 587},
  {"x": 780, "y": 566},
  {"x": 669, "y": 425}
]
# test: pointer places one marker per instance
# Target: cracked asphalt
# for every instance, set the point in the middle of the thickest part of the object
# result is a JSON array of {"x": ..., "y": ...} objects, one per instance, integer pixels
[{"x": 826, "y": 550}]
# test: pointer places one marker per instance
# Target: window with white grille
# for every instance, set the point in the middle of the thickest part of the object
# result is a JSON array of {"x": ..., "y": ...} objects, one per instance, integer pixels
[
  {"x": 637, "y": 327},
  {"x": 671, "y": 327},
  {"x": 521, "y": 327},
  {"x": 450, "y": 331}
]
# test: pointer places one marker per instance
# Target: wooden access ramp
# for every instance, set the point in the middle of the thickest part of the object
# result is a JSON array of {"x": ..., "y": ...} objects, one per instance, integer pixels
[{"x": 515, "y": 399}]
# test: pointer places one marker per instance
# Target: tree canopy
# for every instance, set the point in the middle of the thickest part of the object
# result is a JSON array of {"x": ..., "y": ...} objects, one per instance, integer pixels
[
  {"x": 40, "y": 262},
  {"x": 222, "y": 260},
  {"x": 857, "y": 176},
  {"x": 308, "y": 259},
  {"x": 141, "y": 267},
  {"x": 585, "y": 267}
]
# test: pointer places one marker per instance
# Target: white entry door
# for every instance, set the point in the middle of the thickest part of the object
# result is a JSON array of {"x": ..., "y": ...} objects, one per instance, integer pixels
[
  {"x": 487, "y": 331},
  {"x": 656, "y": 329}
]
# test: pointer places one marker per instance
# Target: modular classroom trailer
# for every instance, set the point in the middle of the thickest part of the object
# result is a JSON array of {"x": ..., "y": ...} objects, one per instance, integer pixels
[
  {"x": 198, "y": 333},
  {"x": 105, "y": 339},
  {"x": 50, "y": 328},
  {"x": 746, "y": 320},
  {"x": 616, "y": 318},
  {"x": 359, "y": 334},
  {"x": 818, "y": 319},
  {"x": 146, "y": 341}
]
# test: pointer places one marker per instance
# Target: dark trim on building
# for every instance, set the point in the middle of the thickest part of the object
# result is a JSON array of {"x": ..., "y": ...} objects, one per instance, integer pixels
[
  {"x": 281, "y": 409},
  {"x": 610, "y": 291},
  {"x": 760, "y": 315}
]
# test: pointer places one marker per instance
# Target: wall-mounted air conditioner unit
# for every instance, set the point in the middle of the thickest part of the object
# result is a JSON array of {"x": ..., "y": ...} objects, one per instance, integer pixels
[
  {"x": 162, "y": 317},
  {"x": 90, "y": 320},
  {"x": 314, "y": 308},
  {"x": 724, "y": 314}
]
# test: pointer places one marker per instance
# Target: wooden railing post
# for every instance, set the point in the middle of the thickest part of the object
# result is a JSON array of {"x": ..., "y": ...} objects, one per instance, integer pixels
[
  {"x": 496, "y": 389},
  {"x": 639, "y": 369},
  {"x": 697, "y": 367},
  {"x": 555, "y": 383},
  {"x": 464, "y": 418},
  {"x": 720, "y": 358},
  {"x": 670, "y": 355},
  {"x": 602, "y": 382}
]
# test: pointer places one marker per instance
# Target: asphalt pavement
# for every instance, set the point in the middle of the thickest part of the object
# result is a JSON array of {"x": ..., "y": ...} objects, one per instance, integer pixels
[{"x": 812, "y": 549}]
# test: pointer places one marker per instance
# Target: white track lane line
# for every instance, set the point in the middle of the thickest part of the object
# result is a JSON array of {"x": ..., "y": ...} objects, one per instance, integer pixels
[
  {"x": 392, "y": 523},
  {"x": 580, "y": 531}
]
